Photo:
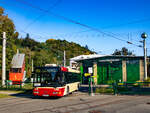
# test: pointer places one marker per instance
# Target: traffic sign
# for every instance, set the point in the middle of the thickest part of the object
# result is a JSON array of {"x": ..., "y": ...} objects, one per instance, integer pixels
[
  {"x": 90, "y": 70},
  {"x": 87, "y": 74}
]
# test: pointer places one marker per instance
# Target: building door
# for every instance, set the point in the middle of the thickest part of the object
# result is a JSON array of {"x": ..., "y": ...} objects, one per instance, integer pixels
[
  {"x": 133, "y": 71},
  {"x": 108, "y": 72},
  {"x": 102, "y": 73}
]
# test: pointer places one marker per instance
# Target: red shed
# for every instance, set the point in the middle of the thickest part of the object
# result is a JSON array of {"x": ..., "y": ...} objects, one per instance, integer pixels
[{"x": 17, "y": 71}]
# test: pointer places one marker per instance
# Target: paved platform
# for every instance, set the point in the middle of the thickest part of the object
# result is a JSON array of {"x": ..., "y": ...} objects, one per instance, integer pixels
[{"x": 76, "y": 103}]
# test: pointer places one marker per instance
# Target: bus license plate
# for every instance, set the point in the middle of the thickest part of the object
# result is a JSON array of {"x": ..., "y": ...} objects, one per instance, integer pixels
[{"x": 45, "y": 95}]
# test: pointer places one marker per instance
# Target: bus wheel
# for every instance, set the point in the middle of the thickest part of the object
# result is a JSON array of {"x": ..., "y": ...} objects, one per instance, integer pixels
[{"x": 67, "y": 90}]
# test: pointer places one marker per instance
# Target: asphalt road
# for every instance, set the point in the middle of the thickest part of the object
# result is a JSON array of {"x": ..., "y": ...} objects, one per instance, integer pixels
[{"x": 76, "y": 103}]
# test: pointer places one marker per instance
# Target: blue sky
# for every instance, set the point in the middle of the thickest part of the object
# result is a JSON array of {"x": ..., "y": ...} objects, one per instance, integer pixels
[{"x": 109, "y": 16}]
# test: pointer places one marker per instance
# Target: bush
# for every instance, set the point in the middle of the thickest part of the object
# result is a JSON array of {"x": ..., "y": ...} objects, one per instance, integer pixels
[
  {"x": 148, "y": 79},
  {"x": 104, "y": 90},
  {"x": 110, "y": 82}
]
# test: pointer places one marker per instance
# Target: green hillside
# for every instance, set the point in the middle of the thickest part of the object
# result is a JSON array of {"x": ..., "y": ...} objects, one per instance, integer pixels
[{"x": 43, "y": 53}]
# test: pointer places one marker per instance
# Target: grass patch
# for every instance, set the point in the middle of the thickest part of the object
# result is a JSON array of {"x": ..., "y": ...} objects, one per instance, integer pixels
[
  {"x": 24, "y": 87},
  {"x": 10, "y": 91},
  {"x": 4, "y": 96},
  {"x": 104, "y": 90}
]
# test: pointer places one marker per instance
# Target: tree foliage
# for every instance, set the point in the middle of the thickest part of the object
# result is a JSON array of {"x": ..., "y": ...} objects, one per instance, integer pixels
[
  {"x": 43, "y": 53},
  {"x": 124, "y": 51},
  {"x": 7, "y": 25},
  {"x": 49, "y": 52}
]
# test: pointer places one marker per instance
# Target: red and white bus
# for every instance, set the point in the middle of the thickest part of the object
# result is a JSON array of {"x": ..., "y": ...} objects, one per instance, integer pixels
[{"x": 54, "y": 81}]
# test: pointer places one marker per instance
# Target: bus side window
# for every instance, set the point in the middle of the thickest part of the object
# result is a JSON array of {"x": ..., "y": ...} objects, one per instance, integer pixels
[
  {"x": 19, "y": 70},
  {"x": 63, "y": 77}
]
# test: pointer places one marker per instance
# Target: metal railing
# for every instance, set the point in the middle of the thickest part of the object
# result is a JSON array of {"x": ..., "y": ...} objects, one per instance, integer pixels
[
  {"x": 124, "y": 88},
  {"x": 132, "y": 88},
  {"x": 17, "y": 85}
]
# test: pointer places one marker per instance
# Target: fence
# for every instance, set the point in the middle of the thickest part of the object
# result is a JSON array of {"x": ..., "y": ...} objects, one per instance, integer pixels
[
  {"x": 121, "y": 88},
  {"x": 132, "y": 88},
  {"x": 27, "y": 85},
  {"x": 125, "y": 88}
]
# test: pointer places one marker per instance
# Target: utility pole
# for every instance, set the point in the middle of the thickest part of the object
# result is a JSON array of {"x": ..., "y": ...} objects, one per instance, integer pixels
[
  {"x": 64, "y": 58},
  {"x": 32, "y": 65},
  {"x": 145, "y": 60},
  {"x": 90, "y": 70},
  {"x": 4, "y": 59},
  {"x": 144, "y": 36}
]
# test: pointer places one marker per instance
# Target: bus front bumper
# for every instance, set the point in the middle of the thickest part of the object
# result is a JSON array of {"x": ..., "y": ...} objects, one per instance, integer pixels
[{"x": 48, "y": 92}]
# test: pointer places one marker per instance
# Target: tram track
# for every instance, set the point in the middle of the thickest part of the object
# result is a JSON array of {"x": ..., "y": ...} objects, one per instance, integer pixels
[
  {"x": 24, "y": 100},
  {"x": 95, "y": 106},
  {"x": 72, "y": 107},
  {"x": 54, "y": 109},
  {"x": 3, "y": 106},
  {"x": 16, "y": 101},
  {"x": 103, "y": 104},
  {"x": 12, "y": 98},
  {"x": 21, "y": 101},
  {"x": 16, "y": 96}
]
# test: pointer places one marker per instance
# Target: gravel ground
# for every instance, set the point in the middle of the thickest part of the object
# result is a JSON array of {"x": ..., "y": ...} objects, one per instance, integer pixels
[{"x": 77, "y": 102}]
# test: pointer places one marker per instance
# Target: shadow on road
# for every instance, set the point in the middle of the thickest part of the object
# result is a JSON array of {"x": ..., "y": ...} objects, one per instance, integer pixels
[
  {"x": 84, "y": 89},
  {"x": 135, "y": 91},
  {"x": 28, "y": 94}
]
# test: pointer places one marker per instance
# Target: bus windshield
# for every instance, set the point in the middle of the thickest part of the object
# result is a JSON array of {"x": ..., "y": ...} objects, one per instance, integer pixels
[{"x": 48, "y": 76}]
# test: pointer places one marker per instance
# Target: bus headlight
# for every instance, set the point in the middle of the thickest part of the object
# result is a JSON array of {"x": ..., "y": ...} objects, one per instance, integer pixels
[
  {"x": 36, "y": 92},
  {"x": 55, "y": 92}
]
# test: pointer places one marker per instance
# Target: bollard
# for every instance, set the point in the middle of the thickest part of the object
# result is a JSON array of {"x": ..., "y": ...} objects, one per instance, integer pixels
[
  {"x": 115, "y": 86},
  {"x": 89, "y": 85}
]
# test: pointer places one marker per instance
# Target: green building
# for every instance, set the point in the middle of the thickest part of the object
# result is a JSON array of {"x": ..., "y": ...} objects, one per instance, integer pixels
[{"x": 107, "y": 68}]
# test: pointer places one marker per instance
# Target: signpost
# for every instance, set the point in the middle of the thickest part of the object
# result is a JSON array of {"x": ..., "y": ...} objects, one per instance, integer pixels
[
  {"x": 90, "y": 71},
  {"x": 87, "y": 74}
]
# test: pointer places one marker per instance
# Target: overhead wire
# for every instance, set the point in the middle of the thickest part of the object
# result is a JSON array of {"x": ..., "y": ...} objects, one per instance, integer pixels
[
  {"x": 81, "y": 24},
  {"x": 129, "y": 23},
  {"x": 113, "y": 33},
  {"x": 73, "y": 21},
  {"x": 40, "y": 16}
]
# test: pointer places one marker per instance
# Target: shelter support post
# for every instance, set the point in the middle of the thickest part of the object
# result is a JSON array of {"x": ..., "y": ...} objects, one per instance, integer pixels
[
  {"x": 95, "y": 72},
  {"x": 124, "y": 71},
  {"x": 141, "y": 65}
]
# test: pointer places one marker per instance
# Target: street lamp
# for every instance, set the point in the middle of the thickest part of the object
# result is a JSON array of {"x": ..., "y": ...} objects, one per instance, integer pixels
[{"x": 144, "y": 36}]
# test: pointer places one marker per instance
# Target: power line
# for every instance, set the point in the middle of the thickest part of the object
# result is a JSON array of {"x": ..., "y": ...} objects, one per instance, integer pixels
[
  {"x": 75, "y": 50},
  {"x": 73, "y": 21},
  {"x": 95, "y": 29},
  {"x": 40, "y": 16},
  {"x": 128, "y": 23}
]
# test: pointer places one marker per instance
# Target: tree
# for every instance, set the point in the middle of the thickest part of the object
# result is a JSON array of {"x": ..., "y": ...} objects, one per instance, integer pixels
[
  {"x": 1, "y": 11},
  {"x": 27, "y": 36},
  {"x": 16, "y": 34},
  {"x": 124, "y": 52},
  {"x": 86, "y": 47},
  {"x": 7, "y": 25},
  {"x": 47, "y": 52}
]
